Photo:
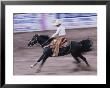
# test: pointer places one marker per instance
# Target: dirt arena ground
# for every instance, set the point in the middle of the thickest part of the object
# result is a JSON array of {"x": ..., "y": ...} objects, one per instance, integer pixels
[{"x": 24, "y": 56}]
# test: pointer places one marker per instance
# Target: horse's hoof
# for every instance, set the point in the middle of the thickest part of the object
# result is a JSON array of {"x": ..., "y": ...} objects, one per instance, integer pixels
[
  {"x": 38, "y": 70},
  {"x": 31, "y": 66},
  {"x": 88, "y": 65},
  {"x": 76, "y": 62}
]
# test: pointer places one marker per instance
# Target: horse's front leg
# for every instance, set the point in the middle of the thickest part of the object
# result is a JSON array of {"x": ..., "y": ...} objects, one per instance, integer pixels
[
  {"x": 41, "y": 65},
  {"x": 37, "y": 61}
]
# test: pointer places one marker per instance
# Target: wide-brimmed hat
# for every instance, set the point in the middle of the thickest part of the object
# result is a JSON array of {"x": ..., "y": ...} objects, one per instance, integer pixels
[{"x": 57, "y": 22}]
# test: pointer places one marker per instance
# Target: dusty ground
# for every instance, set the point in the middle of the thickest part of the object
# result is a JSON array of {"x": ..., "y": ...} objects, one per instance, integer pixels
[{"x": 24, "y": 56}]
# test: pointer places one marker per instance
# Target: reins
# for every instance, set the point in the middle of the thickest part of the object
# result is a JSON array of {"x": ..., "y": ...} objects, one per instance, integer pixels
[{"x": 45, "y": 41}]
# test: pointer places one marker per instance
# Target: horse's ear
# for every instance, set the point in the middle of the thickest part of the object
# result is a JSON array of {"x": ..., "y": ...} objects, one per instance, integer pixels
[{"x": 36, "y": 35}]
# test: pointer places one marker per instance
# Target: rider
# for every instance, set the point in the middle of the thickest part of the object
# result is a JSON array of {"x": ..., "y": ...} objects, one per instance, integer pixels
[{"x": 59, "y": 35}]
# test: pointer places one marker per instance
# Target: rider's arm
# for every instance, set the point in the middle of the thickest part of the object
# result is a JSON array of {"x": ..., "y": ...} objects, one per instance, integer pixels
[{"x": 56, "y": 33}]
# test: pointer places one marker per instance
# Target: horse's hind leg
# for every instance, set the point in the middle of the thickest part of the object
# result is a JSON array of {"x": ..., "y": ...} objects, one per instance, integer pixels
[
  {"x": 37, "y": 61},
  {"x": 84, "y": 59},
  {"x": 76, "y": 58}
]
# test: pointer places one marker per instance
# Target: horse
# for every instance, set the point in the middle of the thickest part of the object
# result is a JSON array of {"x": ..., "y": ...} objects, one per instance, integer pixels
[{"x": 76, "y": 49}]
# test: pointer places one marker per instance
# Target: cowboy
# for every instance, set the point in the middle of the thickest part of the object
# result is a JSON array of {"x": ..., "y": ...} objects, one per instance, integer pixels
[{"x": 60, "y": 37}]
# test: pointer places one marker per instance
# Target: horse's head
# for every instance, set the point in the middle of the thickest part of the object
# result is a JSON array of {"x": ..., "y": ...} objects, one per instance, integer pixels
[{"x": 33, "y": 40}]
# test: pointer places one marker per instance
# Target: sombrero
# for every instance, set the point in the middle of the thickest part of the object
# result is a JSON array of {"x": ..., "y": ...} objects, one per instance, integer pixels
[{"x": 57, "y": 22}]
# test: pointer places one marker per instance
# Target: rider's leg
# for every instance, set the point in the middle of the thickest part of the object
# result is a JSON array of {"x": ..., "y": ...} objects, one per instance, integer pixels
[{"x": 57, "y": 46}]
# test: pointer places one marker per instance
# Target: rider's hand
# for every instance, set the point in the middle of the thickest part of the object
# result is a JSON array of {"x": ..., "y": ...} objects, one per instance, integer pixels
[{"x": 51, "y": 37}]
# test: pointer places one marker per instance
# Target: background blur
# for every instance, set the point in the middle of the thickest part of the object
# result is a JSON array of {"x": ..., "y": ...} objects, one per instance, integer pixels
[{"x": 24, "y": 22}]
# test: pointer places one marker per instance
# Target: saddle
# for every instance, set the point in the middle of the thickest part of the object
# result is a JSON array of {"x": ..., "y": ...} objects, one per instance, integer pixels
[{"x": 62, "y": 43}]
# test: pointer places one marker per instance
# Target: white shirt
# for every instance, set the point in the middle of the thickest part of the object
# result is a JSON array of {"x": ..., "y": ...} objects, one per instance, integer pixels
[{"x": 60, "y": 31}]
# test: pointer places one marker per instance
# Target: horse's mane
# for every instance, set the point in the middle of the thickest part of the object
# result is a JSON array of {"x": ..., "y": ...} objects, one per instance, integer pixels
[{"x": 44, "y": 36}]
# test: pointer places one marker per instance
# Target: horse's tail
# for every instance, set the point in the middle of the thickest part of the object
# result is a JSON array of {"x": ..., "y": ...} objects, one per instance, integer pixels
[{"x": 86, "y": 45}]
